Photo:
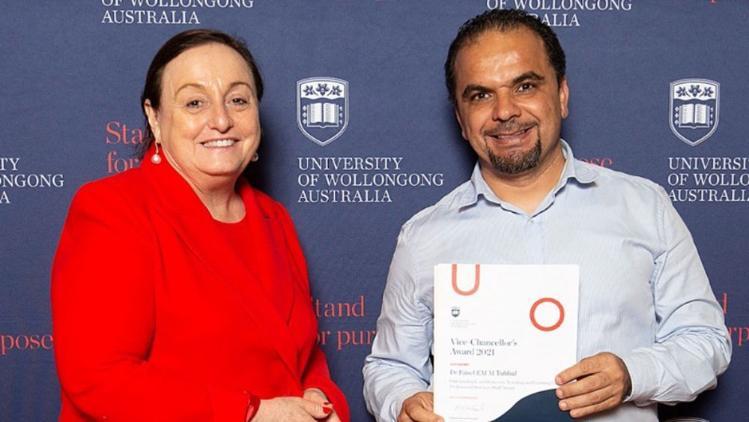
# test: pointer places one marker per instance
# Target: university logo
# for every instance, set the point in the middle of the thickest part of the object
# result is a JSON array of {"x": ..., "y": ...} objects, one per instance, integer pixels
[
  {"x": 694, "y": 107},
  {"x": 322, "y": 108}
]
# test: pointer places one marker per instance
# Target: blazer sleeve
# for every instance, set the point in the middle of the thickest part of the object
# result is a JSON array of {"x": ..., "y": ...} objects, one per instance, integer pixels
[
  {"x": 103, "y": 319},
  {"x": 316, "y": 372}
]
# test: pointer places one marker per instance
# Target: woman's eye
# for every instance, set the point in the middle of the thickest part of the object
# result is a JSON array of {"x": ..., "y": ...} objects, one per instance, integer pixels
[
  {"x": 239, "y": 101},
  {"x": 194, "y": 104}
]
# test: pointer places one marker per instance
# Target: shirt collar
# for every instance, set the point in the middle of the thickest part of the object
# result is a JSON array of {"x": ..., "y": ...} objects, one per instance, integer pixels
[{"x": 576, "y": 170}]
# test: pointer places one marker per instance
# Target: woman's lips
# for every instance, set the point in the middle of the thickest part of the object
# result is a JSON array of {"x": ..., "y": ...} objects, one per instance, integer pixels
[{"x": 219, "y": 143}]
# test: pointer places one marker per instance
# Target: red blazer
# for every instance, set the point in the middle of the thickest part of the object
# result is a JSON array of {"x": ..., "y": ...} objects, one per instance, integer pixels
[{"x": 156, "y": 318}]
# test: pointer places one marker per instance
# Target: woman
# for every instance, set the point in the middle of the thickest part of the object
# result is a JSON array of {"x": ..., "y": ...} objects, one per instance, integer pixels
[{"x": 179, "y": 292}]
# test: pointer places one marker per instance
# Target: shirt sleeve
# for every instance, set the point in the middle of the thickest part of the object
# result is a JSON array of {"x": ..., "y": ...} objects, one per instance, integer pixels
[
  {"x": 399, "y": 365},
  {"x": 103, "y": 312},
  {"x": 691, "y": 346}
]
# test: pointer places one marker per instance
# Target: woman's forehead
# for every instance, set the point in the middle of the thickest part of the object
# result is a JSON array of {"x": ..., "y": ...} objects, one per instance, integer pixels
[{"x": 207, "y": 64}]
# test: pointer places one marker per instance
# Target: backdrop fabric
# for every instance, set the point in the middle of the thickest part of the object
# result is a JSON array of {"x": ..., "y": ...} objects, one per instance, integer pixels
[{"x": 358, "y": 135}]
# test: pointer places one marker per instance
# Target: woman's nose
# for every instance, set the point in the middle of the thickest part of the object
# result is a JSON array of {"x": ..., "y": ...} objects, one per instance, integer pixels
[{"x": 220, "y": 118}]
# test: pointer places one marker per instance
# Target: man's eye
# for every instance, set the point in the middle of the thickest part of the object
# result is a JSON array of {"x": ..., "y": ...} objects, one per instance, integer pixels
[
  {"x": 527, "y": 86},
  {"x": 479, "y": 96},
  {"x": 194, "y": 104},
  {"x": 239, "y": 101}
]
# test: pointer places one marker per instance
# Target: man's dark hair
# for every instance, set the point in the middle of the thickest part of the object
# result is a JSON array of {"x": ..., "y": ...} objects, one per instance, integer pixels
[
  {"x": 503, "y": 20},
  {"x": 177, "y": 45}
]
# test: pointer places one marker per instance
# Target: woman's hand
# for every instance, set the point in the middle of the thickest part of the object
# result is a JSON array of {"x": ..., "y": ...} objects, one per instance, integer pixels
[
  {"x": 293, "y": 409},
  {"x": 317, "y": 396}
]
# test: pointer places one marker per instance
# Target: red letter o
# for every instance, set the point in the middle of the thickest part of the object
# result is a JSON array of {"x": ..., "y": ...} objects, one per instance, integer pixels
[{"x": 550, "y": 327}]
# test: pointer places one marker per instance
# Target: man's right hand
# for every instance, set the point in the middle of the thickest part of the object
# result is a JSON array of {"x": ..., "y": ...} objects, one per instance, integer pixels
[{"x": 419, "y": 408}]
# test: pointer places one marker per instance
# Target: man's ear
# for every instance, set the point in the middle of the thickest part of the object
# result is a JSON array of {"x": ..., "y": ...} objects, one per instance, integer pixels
[
  {"x": 463, "y": 131},
  {"x": 564, "y": 97}
]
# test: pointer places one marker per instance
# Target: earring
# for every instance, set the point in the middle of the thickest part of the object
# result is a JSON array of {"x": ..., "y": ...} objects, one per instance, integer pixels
[
  {"x": 255, "y": 157},
  {"x": 156, "y": 158}
]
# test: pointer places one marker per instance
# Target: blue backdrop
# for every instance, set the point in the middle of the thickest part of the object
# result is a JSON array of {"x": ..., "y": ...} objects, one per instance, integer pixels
[{"x": 72, "y": 72}]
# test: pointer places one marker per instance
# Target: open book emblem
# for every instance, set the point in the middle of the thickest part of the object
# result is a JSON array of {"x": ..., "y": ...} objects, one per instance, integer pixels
[
  {"x": 694, "y": 106},
  {"x": 322, "y": 108}
]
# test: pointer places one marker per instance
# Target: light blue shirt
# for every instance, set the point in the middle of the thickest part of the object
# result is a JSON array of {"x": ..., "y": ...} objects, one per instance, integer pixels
[{"x": 644, "y": 294}]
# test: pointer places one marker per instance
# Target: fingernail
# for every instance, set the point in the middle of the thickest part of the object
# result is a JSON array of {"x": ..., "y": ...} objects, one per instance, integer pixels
[
  {"x": 559, "y": 393},
  {"x": 563, "y": 405},
  {"x": 327, "y": 410}
]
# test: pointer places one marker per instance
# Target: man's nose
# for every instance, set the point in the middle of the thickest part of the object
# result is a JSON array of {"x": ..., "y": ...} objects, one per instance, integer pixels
[{"x": 505, "y": 106}]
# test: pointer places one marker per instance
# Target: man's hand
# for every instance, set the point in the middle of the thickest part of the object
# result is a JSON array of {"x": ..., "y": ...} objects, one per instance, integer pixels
[
  {"x": 601, "y": 382},
  {"x": 419, "y": 408}
]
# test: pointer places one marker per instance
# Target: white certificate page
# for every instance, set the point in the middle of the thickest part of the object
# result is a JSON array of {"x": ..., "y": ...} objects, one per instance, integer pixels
[{"x": 501, "y": 334}]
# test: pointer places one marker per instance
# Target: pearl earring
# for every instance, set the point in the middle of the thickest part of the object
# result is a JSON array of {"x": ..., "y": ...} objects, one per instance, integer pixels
[
  {"x": 156, "y": 158},
  {"x": 255, "y": 157}
]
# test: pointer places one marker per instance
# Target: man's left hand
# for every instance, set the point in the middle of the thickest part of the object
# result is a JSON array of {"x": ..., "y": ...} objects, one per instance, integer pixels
[{"x": 595, "y": 384}]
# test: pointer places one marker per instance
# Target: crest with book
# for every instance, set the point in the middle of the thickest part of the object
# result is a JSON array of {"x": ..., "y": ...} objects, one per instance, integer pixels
[
  {"x": 322, "y": 108},
  {"x": 694, "y": 106}
]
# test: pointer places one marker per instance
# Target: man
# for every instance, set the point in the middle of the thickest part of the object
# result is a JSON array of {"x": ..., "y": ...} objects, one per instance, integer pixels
[{"x": 650, "y": 329}]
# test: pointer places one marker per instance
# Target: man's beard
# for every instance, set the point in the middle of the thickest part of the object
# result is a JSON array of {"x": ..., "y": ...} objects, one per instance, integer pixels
[{"x": 518, "y": 162}]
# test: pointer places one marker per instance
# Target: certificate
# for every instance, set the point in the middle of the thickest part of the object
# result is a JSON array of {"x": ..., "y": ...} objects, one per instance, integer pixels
[{"x": 501, "y": 334}]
